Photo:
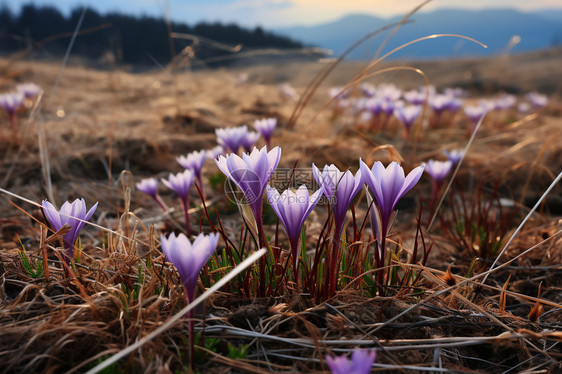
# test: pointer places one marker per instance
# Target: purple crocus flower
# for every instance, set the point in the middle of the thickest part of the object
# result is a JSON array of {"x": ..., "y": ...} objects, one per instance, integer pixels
[
  {"x": 189, "y": 258},
  {"x": 149, "y": 186},
  {"x": 474, "y": 113},
  {"x": 293, "y": 208},
  {"x": 215, "y": 152},
  {"x": 438, "y": 170},
  {"x": 249, "y": 140},
  {"x": 265, "y": 127},
  {"x": 454, "y": 155},
  {"x": 361, "y": 362},
  {"x": 11, "y": 102},
  {"x": 536, "y": 99},
  {"x": 194, "y": 161},
  {"x": 180, "y": 184},
  {"x": 439, "y": 103},
  {"x": 415, "y": 97},
  {"x": 407, "y": 115},
  {"x": 250, "y": 173},
  {"x": 231, "y": 138},
  {"x": 72, "y": 214},
  {"x": 505, "y": 102},
  {"x": 389, "y": 185},
  {"x": 29, "y": 90},
  {"x": 340, "y": 188},
  {"x": 524, "y": 107}
]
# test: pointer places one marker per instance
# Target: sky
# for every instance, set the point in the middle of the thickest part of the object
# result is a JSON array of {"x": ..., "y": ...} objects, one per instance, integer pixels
[{"x": 275, "y": 13}]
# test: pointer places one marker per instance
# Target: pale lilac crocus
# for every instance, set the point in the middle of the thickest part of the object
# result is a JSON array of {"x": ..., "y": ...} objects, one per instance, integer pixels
[
  {"x": 454, "y": 155},
  {"x": 189, "y": 258},
  {"x": 249, "y": 140},
  {"x": 180, "y": 183},
  {"x": 415, "y": 97},
  {"x": 265, "y": 127},
  {"x": 361, "y": 362},
  {"x": 524, "y": 107},
  {"x": 30, "y": 90},
  {"x": 388, "y": 185},
  {"x": 230, "y": 138},
  {"x": 74, "y": 215},
  {"x": 149, "y": 186},
  {"x": 11, "y": 102},
  {"x": 536, "y": 99},
  {"x": 215, "y": 152},
  {"x": 474, "y": 113},
  {"x": 293, "y": 208},
  {"x": 194, "y": 161},
  {"x": 250, "y": 173},
  {"x": 438, "y": 170},
  {"x": 407, "y": 115},
  {"x": 340, "y": 188}
]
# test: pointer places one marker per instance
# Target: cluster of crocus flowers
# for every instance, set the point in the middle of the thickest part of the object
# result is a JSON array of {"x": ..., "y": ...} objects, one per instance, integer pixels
[
  {"x": 73, "y": 215},
  {"x": 361, "y": 362},
  {"x": 180, "y": 183},
  {"x": 293, "y": 208}
]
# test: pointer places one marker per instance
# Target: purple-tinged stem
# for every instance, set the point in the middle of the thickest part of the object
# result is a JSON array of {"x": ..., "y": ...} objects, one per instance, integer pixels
[{"x": 185, "y": 204}]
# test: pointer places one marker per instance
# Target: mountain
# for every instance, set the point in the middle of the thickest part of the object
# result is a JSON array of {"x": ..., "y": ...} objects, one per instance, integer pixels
[{"x": 495, "y": 28}]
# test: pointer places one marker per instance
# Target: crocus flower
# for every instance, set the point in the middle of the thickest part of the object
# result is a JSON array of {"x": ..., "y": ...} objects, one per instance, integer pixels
[
  {"x": 454, "y": 155},
  {"x": 454, "y": 92},
  {"x": 389, "y": 185},
  {"x": 286, "y": 90},
  {"x": 474, "y": 113},
  {"x": 415, "y": 97},
  {"x": 230, "y": 138},
  {"x": 215, "y": 152},
  {"x": 265, "y": 127},
  {"x": 250, "y": 173},
  {"x": 72, "y": 214},
  {"x": 11, "y": 101},
  {"x": 249, "y": 140},
  {"x": 439, "y": 103},
  {"x": 537, "y": 100},
  {"x": 149, "y": 186},
  {"x": 189, "y": 258},
  {"x": 293, "y": 208},
  {"x": 506, "y": 101},
  {"x": 407, "y": 115},
  {"x": 340, "y": 188},
  {"x": 194, "y": 161},
  {"x": 180, "y": 184},
  {"x": 29, "y": 90},
  {"x": 524, "y": 107},
  {"x": 438, "y": 170},
  {"x": 361, "y": 362}
]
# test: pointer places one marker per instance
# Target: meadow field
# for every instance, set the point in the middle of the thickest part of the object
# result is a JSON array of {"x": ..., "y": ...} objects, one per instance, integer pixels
[{"x": 457, "y": 272}]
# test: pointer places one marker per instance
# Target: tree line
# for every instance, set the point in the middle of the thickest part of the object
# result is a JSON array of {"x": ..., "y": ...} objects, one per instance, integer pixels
[{"x": 128, "y": 39}]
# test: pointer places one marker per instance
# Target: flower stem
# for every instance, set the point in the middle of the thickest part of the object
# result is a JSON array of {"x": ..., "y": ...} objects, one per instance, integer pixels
[{"x": 185, "y": 204}]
